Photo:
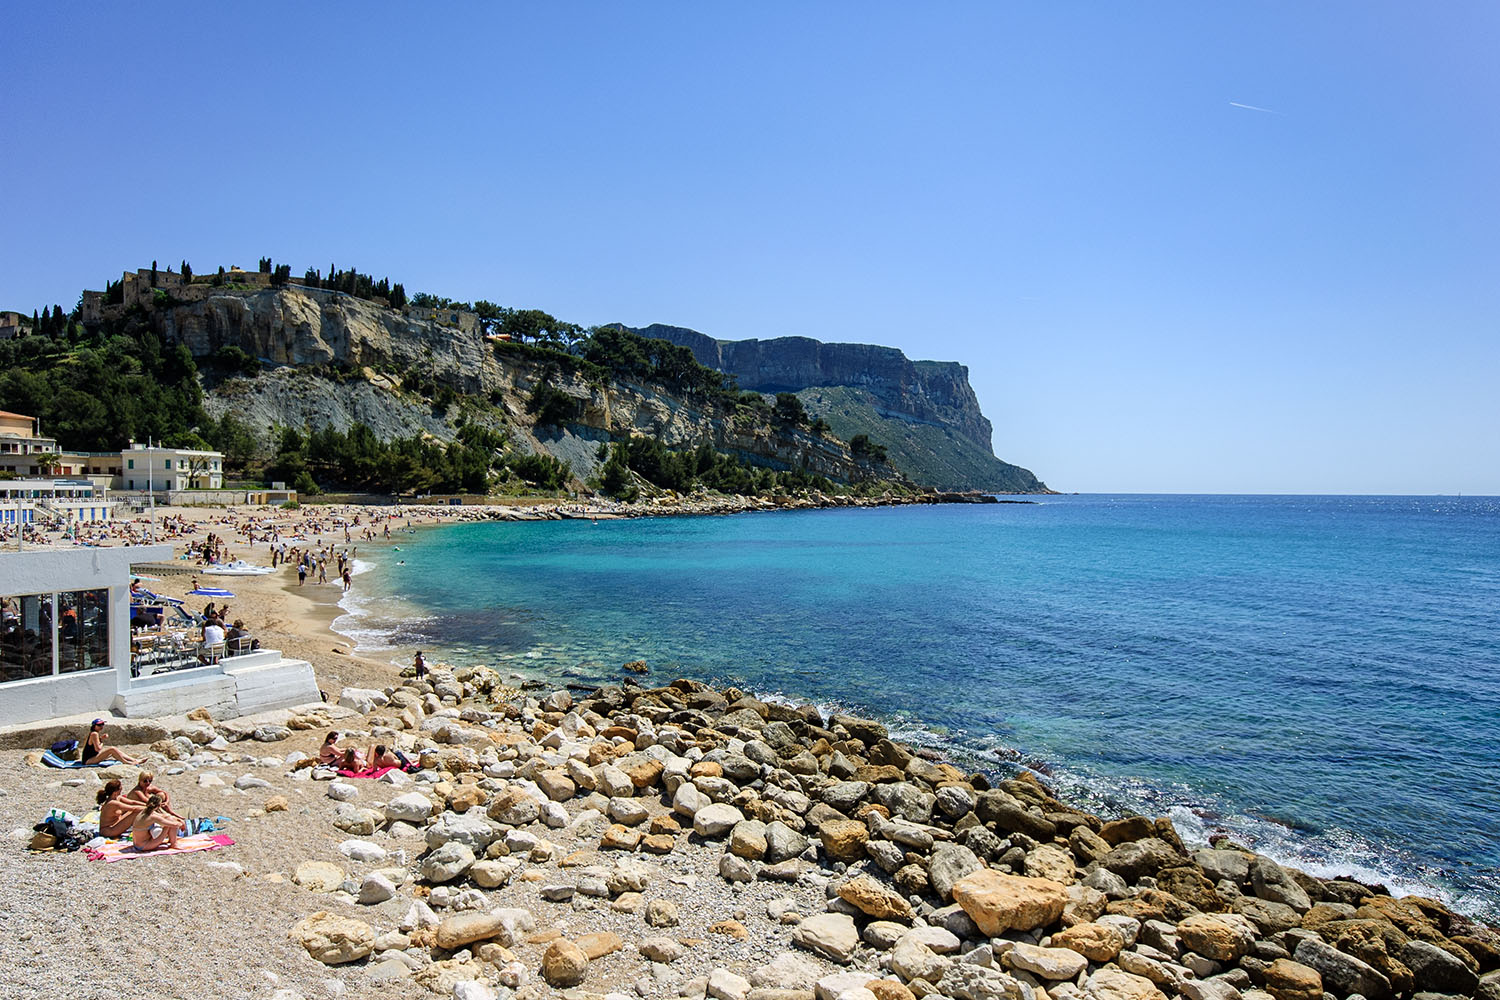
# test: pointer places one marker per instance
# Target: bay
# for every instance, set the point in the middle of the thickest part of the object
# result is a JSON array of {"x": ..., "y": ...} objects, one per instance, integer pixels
[{"x": 1319, "y": 677}]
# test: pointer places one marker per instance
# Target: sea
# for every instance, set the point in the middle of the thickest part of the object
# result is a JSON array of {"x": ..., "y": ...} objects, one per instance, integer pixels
[{"x": 1317, "y": 677}]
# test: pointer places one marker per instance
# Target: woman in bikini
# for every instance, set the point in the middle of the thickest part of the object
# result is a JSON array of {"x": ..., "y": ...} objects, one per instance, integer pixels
[
  {"x": 145, "y": 787},
  {"x": 329, "y": 755},
  {"x": 95, "y": 751},
  {"x": 116, "y": 813},
  {"x": 154, "y": 828}
]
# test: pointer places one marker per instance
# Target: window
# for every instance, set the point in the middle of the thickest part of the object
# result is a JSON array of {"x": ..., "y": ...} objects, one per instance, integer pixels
[
  {"x": 130, "y": 463},
  {"x": 25, "y": 637},
  {"x": 169, "y": 463},
  {"x": 83, "y": 630}
]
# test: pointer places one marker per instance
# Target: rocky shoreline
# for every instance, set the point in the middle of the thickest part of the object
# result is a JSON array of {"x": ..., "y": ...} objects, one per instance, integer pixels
[
  {"x": 703, "y": 504},
  {"x": 683, "y": 841}
]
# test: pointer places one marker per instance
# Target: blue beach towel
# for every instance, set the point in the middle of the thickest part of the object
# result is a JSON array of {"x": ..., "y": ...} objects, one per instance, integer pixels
[{"x": 53, "y": 760}]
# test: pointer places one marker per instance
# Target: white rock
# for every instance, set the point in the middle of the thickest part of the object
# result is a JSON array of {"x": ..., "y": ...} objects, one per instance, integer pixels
[
  {"x": 726, "y": 985},
  {"x": 413, "y": 807},
  {"x": 342, "y": 791},
  {"x": 375, "y": 888},
  {"x": 473, "y": 989},
  {"x": 362, "y": 850}
]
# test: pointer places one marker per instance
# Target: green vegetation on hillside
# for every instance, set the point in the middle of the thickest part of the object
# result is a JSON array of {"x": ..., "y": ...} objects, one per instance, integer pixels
[
  {"x": 98, "y": 391},
  {"x": 687, "y": 469},
  {"x": 330, "y": 459},
  {"x": 925, "y": 453}
]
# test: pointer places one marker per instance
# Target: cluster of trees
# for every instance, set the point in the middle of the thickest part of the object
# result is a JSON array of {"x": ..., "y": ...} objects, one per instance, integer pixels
[
  {"x": 861, "y": 447},
  {"x": 52, "y": 323},
  {"x": 687, "y": 469},
  {"x": 356, "y": 460},
  {"x": 352, "y": 282}
]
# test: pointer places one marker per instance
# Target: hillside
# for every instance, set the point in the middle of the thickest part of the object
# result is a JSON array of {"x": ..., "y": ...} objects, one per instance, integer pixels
[
  {"x": 342, "y": 384},
  {"x": 924, "y": 412}
]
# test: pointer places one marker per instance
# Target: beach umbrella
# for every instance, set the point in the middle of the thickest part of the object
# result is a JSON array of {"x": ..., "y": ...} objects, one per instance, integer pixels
[{"x": 210, "y": 592}]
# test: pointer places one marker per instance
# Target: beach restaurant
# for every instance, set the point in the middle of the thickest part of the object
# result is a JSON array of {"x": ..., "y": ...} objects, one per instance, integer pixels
[{"x": 65, "y": 647}]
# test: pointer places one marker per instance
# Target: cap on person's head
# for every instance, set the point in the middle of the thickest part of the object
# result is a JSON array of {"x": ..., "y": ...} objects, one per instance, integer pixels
[{"x": 98, "y": 722}]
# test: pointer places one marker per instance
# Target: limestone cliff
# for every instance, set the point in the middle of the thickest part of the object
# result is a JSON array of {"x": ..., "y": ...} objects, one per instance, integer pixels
[
  {"x": 924, "y": 412},
  {"x": 336, "y": 360}
]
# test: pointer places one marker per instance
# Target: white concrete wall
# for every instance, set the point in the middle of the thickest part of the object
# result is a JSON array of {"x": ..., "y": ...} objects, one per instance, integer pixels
[{"x": 51, "y": 697}]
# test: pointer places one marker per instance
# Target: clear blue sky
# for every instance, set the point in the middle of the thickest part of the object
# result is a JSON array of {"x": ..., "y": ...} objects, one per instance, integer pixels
[{"x": 1154, "y": 289}]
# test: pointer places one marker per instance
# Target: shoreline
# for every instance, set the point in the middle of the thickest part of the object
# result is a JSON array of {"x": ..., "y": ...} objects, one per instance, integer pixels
[{"x": 1107, "y": 795}]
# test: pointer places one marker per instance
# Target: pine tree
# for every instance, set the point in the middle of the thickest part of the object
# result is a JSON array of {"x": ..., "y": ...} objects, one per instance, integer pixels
[
  {"x": 187, "y": 272},
  {"x": 153, "y": 274}
]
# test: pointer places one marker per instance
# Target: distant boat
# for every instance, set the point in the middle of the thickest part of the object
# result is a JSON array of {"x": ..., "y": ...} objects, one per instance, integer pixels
[{"x": 237, "y": 568}]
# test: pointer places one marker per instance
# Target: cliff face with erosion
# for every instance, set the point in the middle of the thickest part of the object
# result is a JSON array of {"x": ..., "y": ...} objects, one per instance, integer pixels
[
  {"x": 924, "y": 412},
  {"x": 341, "y": 360}
]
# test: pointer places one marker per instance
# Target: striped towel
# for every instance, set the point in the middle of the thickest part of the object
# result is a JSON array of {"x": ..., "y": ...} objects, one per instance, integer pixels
[
  {"x": 53, "y": 760},
  {"x": 124, "y": 850}
]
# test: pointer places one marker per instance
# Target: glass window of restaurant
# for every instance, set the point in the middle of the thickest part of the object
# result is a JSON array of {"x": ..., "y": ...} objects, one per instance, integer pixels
[{"x": 46, "y": 634}]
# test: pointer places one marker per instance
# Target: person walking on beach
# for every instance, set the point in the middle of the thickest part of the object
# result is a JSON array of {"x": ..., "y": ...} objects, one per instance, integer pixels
[
  {"x": 419, "y": 665},
  {"x": 348, "y": 579},
  {"x": 301, "y": 573}
]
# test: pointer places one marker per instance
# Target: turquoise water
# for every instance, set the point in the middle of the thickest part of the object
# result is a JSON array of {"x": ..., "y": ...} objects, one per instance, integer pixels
[{"x": 1319, "y": 676}]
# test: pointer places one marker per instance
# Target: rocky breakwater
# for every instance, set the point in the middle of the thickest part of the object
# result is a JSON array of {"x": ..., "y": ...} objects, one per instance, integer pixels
[{"x": 688, "y": 841}]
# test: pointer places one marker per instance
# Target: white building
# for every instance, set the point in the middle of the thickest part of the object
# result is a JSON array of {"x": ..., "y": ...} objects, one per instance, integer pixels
[
  {"x": 65, "y": 647},
  {"x": 25, "y": 501},
  {"x": 148, "y": 468}
]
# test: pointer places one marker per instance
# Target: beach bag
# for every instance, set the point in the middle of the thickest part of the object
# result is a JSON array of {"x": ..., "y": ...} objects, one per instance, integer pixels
[{"x": 66, "y": 749}]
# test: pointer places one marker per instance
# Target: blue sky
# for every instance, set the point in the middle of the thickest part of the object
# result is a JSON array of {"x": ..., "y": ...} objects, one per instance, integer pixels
[{"x": 1155, "y": 290}]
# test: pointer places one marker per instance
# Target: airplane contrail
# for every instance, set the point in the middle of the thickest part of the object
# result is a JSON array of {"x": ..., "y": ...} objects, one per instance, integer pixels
[{"x": 1251, "y": 107}]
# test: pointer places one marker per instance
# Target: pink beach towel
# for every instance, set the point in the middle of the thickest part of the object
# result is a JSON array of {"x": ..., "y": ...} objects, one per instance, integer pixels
[
  {"x": 124, "y": 850},
  {"x": 373, "y": 772}
]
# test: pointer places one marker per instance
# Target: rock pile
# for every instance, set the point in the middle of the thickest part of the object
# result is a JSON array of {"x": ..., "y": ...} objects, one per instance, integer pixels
[{"x": 889, "y": 874}]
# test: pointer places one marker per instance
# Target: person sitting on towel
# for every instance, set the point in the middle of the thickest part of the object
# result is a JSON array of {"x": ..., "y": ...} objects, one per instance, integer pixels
[
  {"x": 329, "y": 755},
  {"x": 145, "y": 787},
  {"x": 352, "y": 760},
  {"x": 154, "y": 827},
  {"x": 116, "y": 812},
  {"x": 95, "y": 751}
]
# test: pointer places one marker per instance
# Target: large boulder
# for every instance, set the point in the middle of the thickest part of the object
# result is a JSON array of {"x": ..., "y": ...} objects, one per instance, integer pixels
[
  {"x": 413, "y": 807},
  {"x": 1437, "y": 971},
  {"x": 564, "y": 964},
  {"x": 1046, "y": 963},
  {"x": 1006, "y": 813},
  {"x": 1342, "y": 974},
  {"x": 1273, "y": 882},
  {"x": 844, "y": 839},
  {"x": 471, "y": 829},
  {"x": 332, "y": 939},
  {"x": 1289, "y": 980},
  {"x": 832, "y": 935},
  {"x": 1136, "y": 859},
  {"x": 948, "y": 864},
  {"x": 999, "y": 903},
  {"x": 362, "y": 700},
  {"x": 716, "y": 820},
  {"x": 1098, "y": 942},
  {"x": 447, "y": 863},
  {"x": 1110, "y": 983},
  {"x": 318, "y": 876},
  {"x": 466, "y": 928},
  {"x": 1223, "y": 937},
  {"x": 875, "y": 900}
]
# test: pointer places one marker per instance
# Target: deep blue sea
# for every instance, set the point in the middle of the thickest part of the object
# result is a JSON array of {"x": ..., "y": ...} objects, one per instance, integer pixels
[{"x": 1319, "y": 676}]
